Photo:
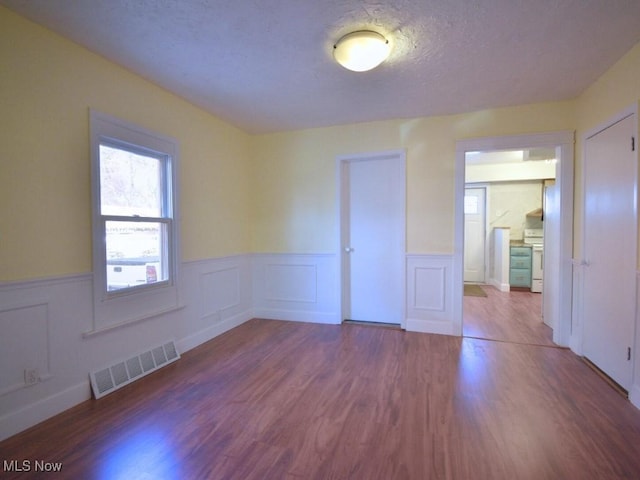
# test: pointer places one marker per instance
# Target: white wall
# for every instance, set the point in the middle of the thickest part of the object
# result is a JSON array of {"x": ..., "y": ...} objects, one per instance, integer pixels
[{"x": 509, "y": 203}]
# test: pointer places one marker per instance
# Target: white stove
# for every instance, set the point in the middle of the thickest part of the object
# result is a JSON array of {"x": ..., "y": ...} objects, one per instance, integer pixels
[{"x": 535, "y": 238}]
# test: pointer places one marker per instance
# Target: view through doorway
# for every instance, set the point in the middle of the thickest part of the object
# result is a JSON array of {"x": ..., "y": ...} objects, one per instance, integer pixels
[{"x": 503, "y": 216}]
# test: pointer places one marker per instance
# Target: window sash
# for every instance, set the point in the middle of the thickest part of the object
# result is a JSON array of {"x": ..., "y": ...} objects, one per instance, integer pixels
[
  {"x": 165, "y": 254},
  {"x": 165, "y": 160},
  {"x": 166, "y": 219},
  {"x": 112, "y": 309}
]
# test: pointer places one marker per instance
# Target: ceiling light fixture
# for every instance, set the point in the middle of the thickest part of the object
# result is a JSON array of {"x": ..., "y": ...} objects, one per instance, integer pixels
[{"x": 361, "y": 51}]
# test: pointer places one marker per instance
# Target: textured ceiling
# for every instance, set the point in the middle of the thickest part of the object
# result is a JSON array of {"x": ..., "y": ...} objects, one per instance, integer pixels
[{"x": 267, "y": 66}]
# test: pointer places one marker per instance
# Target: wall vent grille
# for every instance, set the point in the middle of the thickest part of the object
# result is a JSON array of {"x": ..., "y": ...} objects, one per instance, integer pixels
[{"x": 113, "y": 377}]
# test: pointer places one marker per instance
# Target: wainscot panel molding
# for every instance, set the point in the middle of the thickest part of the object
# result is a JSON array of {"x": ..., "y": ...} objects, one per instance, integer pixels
[
  {"x": 296, "y": 287},
  {"x": 42, "y": 324},
  {"x": 220, "y": 292},
  {"x": 430, "y": 294}
]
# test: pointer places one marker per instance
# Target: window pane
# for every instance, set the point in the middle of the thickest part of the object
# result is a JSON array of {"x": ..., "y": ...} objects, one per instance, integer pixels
[
  {"x": 136, "y": 253},
  {"x": 130, "y": 183},
  {"x": 470, "y": 204}
]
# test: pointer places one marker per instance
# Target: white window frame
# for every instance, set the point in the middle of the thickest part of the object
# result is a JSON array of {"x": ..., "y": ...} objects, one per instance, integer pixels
[{"x": 120, "y": 307}]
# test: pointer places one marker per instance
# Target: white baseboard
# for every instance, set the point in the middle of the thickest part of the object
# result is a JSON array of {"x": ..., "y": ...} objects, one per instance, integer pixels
[
  {"x": 503, "y": 287},
  {"x": 213, "y": 331},
  {"x": 634, "y": 395},
  {"x": 429, "y": 326},
  {"x": 34, "y": 413},
  {"x": 298, "y": 316}
]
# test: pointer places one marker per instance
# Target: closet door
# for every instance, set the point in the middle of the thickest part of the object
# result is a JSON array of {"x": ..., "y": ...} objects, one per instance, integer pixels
[{"x": 610, "y": 245}]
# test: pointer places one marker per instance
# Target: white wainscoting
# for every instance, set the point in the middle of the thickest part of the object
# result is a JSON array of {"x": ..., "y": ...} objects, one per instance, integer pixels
[
  {"x": 24, "y": 342},
  {"x": 220, "y": 291},
  {"x": 296, "y": 287},
  {"x": 44, "y": 322},
  {"x": 43, "y": 325},
  {"x": 430, "y": 294}
]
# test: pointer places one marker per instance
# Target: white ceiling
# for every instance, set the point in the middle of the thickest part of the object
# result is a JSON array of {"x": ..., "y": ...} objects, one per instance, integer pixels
[{"x": 267, "y": 66}]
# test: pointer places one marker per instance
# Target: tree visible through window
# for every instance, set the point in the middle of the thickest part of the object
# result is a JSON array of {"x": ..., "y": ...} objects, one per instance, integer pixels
[{"x": 135, "y": 209}]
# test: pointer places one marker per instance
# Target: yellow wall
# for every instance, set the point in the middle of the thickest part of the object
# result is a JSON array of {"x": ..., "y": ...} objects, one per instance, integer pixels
[
  {"x": 294, "y": 173},
  {"x": 47, "y": 85},
  {"x": 612, "y": 93},
  {"x": 266, "y": 193}
]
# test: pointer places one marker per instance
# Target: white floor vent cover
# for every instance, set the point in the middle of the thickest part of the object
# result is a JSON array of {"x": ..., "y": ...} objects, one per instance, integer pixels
[{"x": 109, "y": 379}]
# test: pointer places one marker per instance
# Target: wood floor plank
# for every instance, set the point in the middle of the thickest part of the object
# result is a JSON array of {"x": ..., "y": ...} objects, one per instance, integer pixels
[
  {"x": 274, "y": 399},
  {"x": 514, "y": 316}
]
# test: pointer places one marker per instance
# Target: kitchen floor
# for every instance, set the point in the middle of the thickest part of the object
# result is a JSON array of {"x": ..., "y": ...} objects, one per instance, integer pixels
[{"x": 513, "y": 317}]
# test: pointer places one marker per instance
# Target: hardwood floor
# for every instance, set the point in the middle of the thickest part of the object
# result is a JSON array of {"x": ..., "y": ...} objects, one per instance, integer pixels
[
  {"x": 507, "y": 317},
  {"x": 284, "y": 400}
]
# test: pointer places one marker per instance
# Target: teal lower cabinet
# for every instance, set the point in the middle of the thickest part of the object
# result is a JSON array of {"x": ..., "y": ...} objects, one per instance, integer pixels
[{"x": 520, "y": 267}]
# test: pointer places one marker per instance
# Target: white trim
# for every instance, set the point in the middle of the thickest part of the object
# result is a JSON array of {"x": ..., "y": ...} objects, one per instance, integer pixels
[
  {"x": 341, "y": 162},
  {"x": 210, "y": 309},
  {"x": 298, "y": 316},
  {"x": 111, "y": 310},
  {"x": 634, "y": 395},
  {"x": 296, "y": 287},
  {"x": 429, "y": 300},
  {"x": 45, "y": 281},
  {"x": 514, "y": 142},
  {"x": 564, "y": 141},
  {"x": 34, "y": 413},
  {"x": 202, "y": 336},
  {"x": 130, "y": 321}
]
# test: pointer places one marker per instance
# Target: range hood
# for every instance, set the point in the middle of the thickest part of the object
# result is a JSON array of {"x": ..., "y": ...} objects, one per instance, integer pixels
[{"x": 535, "y": 213}]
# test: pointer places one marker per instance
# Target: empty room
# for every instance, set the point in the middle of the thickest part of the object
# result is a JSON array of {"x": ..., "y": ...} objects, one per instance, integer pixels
[{"x": 231, "y": 247}]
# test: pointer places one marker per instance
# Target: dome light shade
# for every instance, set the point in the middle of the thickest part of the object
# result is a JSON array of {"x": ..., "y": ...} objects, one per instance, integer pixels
[{"x": 361, "y": 51}]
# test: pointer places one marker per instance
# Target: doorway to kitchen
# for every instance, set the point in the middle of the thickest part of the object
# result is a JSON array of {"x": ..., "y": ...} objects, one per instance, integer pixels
[
  {"x": 520, "y": 174},
  {"x": 505, "y": 214}
]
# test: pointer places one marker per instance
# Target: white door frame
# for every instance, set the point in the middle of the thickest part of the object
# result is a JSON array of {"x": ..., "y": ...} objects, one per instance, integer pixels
[
  {"x": 564, "y": 144},
  {"x": 342, "y": 162},
  {"x": 487, "y": 233}
]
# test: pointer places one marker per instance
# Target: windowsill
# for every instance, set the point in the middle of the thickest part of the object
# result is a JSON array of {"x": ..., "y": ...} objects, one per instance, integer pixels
[{"x": 115, "y": 326}]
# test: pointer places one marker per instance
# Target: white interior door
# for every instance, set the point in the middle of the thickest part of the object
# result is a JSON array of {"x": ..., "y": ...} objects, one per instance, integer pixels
[
  {"x": 474, "y": 234},
  {"x": 373, "y": 239},
  {"x": 610, "y": 244}
]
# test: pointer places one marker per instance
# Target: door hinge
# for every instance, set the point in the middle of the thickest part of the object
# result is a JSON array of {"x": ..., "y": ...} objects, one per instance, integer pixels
[
  {"x": 629, "y": 353},
  {"x": 633, "y": 144}
]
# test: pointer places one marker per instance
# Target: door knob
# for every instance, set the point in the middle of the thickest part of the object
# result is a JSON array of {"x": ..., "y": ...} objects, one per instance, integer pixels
[{"x": 348, "y": 249}]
